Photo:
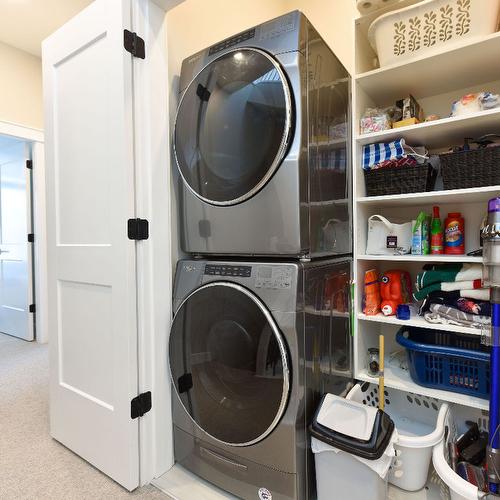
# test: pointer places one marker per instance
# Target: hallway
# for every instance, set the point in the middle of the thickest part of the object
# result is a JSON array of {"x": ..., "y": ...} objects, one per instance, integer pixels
[{"x": 34, "y": 466}]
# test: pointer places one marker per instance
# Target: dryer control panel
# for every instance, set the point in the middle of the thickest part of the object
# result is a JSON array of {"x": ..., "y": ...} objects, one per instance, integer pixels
[
  {"x": 227, "y": 270},
  {"x": 274, "y": 277}
]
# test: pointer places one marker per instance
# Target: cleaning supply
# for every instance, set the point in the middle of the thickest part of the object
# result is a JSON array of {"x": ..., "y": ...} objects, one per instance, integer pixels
[
  {"x": 381, "y": 347},
  {"x": 454, "y": 234},
  {"x": 436, "y": 233},
  {"x": 371, "y": 296},
  {"x": 395, "y": 289},
  {"x": 420, "y": 236},
  {"x": 403, "y": 312}
]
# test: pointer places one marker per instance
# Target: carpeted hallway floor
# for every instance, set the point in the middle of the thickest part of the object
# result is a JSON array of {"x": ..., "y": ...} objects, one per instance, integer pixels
[{"x": 32, "y": 465}]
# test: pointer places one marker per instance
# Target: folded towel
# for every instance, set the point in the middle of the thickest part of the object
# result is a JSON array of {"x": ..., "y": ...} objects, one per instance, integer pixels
[
  {"x": 478, "y": 294},
  {"x": 440, "y": 313},
  {"x": 449, "y": 273},
  {"x": 447, "y": 287},
  {"x": 453, "y": 299}
]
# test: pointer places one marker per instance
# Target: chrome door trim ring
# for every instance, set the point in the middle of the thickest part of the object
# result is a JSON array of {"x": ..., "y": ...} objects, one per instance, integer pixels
[
  {"x": 284, "y": 140},
  {"x": 284, "y": 359}
]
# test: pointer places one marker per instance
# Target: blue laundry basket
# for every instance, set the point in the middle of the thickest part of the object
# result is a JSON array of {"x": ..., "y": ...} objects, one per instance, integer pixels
[{"x": 447, "y": 360}]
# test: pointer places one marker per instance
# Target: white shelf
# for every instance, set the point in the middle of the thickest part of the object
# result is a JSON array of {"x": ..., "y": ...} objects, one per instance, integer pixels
[
  {"x": 439, "y": 133},
  {"x": 396, "y": 378},
  {"x": 421, "y": 258},
  {"x": 453, "y": 196},
  {"x": 457, "y": 68},
  {"x": 419, "y": 322},
  {"x": 435, "y": 80}
]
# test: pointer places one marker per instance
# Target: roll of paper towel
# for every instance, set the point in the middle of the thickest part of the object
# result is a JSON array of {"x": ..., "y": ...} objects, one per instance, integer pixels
[{"x": 367, "y": 6}]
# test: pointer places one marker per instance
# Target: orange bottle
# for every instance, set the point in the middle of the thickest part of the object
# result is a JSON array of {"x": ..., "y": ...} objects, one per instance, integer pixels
[
  {"x": 454, "y": 234},
  {"x": 394, "y": 290},
  {"x": 371, "y": 296}
]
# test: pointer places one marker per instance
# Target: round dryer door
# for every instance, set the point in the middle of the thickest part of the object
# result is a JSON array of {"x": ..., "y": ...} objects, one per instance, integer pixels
[
  {"x": 229, "y": 363},
  {"x": 233, "y": 126}
]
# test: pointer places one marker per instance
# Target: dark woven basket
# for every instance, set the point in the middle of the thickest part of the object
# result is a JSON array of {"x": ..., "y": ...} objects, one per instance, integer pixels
[
  {"x": 474, "y": 168},
  {"x": 400, "y": 180}
]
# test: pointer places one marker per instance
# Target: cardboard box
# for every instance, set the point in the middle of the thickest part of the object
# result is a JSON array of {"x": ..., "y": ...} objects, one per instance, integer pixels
[{"x": 405, "y": 123}]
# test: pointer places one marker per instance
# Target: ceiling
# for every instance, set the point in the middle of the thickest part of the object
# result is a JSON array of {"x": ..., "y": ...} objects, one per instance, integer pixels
[{"x": 25, "y": 23}]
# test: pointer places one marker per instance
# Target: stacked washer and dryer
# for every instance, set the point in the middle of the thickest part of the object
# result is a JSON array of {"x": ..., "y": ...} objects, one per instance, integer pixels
[{"x": 262, "y": 306}]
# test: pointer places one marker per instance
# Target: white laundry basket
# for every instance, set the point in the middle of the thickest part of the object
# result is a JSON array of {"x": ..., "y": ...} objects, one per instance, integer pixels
[
  {"x": 419, "y": 422},
  {"x": 455, "y": 419},
  {"x": 431, "y": 26}
]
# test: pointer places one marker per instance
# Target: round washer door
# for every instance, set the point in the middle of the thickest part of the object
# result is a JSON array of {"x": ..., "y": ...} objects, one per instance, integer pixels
[
  {"x": 229, "y": 363},
  {"x": 233, "y": 126}
]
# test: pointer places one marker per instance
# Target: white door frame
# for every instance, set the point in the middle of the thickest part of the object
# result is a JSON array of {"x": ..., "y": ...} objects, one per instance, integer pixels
[
  {"x": 154, "y": 256},
  {"x": 36, "y": 138}
]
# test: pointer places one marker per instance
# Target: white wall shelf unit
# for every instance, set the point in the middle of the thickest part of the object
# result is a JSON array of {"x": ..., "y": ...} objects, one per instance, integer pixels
[
  {"x": 395, "y": 378},
  {"x": 460, "y": 67},
  {"x": 419, "y": 322},
  {"x": 421, "y": 258},
  {"x": 438, "y": 133},
  {"x": 435, "y": 81},
  {"x": 451, "y": 196}
]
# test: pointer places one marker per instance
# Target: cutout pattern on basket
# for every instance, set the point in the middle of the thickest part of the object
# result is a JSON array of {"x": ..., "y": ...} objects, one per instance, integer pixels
[{"x": 451, "y": 21}]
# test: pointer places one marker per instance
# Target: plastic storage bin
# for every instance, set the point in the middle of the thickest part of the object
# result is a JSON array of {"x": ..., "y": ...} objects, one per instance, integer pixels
[
  {"x": 419, "y": 422},
  {"x": 352, "y": 445},
  {"x": 455, "y": 419},
  {"x": 429, "y": 27},
  {"x": 446, "y": 360}
]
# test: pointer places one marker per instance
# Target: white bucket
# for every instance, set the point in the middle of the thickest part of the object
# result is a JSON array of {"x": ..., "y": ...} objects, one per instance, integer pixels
[
  {"x": 340, "y": 475},
  {"x": 419, "y": 421}
]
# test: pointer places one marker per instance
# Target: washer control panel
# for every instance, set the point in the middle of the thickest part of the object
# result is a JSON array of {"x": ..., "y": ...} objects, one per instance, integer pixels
[
  {"x": 275, "y": 277},
  {"x": 228, "y": 270}
]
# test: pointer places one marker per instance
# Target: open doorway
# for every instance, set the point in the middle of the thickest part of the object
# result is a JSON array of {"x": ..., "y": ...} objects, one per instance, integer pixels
[{"x": 17, "y": 290}]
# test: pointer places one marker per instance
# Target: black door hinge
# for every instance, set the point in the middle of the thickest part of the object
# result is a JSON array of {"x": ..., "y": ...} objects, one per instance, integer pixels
[
  {"x": 32, "y": 308},
  {"x": 31, "y": 238},
  {"x": 29, "y": 164},
  {"x": 134, "y": 44},
  {"x": 138, "y": 229},
  {"x": 140, "y": 405}
]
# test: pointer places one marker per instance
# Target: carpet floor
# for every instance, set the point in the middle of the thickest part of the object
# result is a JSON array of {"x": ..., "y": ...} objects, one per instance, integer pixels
[{"x": 33, "y": 466}]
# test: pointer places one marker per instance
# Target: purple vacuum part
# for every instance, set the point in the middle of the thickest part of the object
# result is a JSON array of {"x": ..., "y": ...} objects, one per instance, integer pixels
[{"x": 494, "y": 205}]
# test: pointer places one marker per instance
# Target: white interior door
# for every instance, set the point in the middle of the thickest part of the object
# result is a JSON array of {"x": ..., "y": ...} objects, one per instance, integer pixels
[
  {"x": 16, "y": 291},
  {"x": 91, "y": 262}
]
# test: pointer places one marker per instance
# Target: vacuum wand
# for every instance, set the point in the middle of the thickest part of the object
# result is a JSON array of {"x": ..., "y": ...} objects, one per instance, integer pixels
[{"x": 491, "y": 261}]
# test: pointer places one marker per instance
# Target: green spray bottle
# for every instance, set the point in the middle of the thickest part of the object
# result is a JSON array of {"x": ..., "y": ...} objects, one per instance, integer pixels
[{"x": 436, "y": 233}]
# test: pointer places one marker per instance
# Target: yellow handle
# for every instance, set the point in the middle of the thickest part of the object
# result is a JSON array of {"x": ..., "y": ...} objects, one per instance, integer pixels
[{"x": 381, "y": 395}]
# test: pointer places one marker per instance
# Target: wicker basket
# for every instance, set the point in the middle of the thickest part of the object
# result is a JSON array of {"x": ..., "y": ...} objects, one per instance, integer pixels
[
  {"x": 400, "y": 180},
  {"x": 474, "y": 168}
]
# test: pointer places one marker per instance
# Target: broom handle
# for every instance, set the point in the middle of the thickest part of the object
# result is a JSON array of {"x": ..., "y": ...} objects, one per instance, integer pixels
[{"x": 381, "y": 395}]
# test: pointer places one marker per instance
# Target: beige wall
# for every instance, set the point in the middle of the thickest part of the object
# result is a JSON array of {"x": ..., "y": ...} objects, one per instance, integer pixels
[
  {"x": 196, "y": 24},
  {"x": 20, "y": 87},
  {"x": 334, "y": 20}
]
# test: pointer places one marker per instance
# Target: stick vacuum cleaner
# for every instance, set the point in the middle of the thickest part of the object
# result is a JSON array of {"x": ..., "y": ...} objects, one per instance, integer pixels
[{"x": 491, "y": 261}]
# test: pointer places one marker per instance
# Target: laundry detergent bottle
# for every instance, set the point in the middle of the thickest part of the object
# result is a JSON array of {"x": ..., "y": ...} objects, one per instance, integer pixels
[{"x": 454, "y": 234}]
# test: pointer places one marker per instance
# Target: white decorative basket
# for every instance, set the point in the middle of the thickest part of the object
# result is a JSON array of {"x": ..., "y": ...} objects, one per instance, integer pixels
[{"x": 431, "y": 26}]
